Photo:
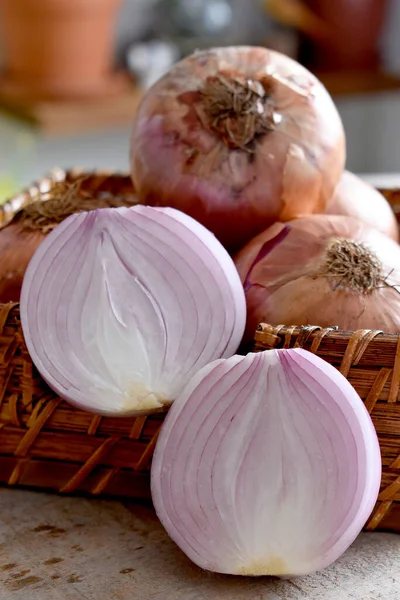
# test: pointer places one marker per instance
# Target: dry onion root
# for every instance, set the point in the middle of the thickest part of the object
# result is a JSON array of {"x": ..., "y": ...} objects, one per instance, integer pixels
[
  {"x": 323, "y": 269},
  {"x": 238, "y": 138},
  {"x": 354, "y": 197}
]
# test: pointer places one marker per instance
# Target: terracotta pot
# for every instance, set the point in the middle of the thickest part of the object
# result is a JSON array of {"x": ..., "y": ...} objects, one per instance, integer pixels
[
  {"x": 354, "y": 29},
  {"x": 57, "y": 48}
]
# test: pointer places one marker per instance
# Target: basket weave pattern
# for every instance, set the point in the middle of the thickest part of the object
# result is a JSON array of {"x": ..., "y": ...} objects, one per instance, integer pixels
[{"x": 46, "y": 443}]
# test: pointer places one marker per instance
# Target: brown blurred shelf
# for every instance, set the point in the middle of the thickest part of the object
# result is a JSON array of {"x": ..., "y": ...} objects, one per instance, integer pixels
[
  {"x": 358, "y": 82},
  {"x": 56, "y": 117},
  {"x": 60, "y": 117}
]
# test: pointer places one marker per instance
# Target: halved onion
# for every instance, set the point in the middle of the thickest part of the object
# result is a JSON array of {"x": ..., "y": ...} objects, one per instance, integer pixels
[
  {"x": 267, "y": 464},
  {"x": 120, "y": 307}
]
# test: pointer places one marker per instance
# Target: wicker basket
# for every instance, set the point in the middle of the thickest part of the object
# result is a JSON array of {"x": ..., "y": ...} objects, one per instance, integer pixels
[{"x": 46, "y": 443}]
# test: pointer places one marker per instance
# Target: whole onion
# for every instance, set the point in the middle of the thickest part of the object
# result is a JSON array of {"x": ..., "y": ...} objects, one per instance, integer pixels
[
  {"x": 323, "y": 270},
  {"x": 238, "y": 138},
  {"x": 354, "y": 197}
]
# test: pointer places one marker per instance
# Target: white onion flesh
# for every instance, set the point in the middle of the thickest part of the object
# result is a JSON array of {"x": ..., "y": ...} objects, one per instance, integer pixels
[
  {"x": 120, "y": 307},
  {"x": 266, "y": 465}
]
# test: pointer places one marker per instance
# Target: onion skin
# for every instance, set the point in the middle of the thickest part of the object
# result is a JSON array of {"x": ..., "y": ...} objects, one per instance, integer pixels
[
  {"x": 20, "y": 238},
  {"x": 281, "y": 273},
  {"x": 266, "y": 464},
  {"x": 291, "y": 169},
  {"x": 17, "y": 247},
  {"x": 356, "y": 198}
]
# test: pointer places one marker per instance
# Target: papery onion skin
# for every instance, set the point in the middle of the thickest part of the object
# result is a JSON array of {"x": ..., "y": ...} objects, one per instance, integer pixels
[
  {"x": 17, "y": 247},
  {"x": 285, "y": 282},
  {"x": 119, "y": 307},
  {"x": 21, "y": 237},
  {"x": 267, "y": 464},
  {"x": 356, "y": 198},
  {"x": 237, "y": 187}
]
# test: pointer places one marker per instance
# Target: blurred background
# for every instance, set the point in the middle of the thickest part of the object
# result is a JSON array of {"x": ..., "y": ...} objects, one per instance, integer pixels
[{"x": 72, "y": 72}]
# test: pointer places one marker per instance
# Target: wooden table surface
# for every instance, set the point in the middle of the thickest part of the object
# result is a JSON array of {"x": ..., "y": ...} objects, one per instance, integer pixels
[{"x": 62, "y": 548}]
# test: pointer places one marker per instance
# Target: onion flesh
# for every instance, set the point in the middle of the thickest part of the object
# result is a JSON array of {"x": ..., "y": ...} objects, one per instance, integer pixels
[
  {"x": 267, "y": 464},
  {"x": 356, "y": 198},
  {"x": 323, "y": 270},
  {"x": 238, "y": 138},
  {"x": 120, "y": 307}
]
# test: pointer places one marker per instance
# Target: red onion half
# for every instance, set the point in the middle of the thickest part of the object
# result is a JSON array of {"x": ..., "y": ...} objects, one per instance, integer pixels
[
  {"x": 120, "y": 307},
  {"x": 266, "y": 465},
  {"x": 238, "y": 138}
]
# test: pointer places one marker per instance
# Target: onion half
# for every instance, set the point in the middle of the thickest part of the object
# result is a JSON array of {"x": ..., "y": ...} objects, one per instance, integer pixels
[
  {"x": 267, "y": 464},
  {"x": 238, "y": 138},
  {"x": 120, "y": 307},
  {"x": 324, "y": 270}
]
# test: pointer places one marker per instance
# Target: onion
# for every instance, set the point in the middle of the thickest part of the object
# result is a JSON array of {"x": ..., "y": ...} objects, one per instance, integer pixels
[
  {"x": 22, "y": 236},
  {"x": 266, "y": 465},
  {"x": 324, "y": 270},
  {"x": 17, "y": 246},
  {"x": 238, "y": 138},
  {"x": 120, "y": 307},
  {"x": 354, "y": 197}
]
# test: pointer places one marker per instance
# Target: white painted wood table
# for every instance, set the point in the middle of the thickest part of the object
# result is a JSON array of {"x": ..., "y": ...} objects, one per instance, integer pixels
[{"x": 62, "y": 548}]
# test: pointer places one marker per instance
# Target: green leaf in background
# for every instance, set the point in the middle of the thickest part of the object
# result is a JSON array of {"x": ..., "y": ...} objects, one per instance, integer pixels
[{"x": 8, "y": 187}]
